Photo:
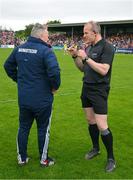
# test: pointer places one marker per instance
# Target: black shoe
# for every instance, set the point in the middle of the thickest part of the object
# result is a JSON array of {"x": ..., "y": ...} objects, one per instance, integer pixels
[
  {"x": 92, "y": 153},
  {"x": 48, "y": 162},
  {"x": 110, "y": 166}
]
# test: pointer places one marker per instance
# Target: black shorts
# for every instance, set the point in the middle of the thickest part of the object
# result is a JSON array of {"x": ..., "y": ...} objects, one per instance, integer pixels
[{"x": 95, "y": 96}]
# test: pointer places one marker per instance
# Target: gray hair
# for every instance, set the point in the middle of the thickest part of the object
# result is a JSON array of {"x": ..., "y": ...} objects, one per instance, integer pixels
[
  {"x": 38, "y": 30},
  {"x": 95, "y": 26}
]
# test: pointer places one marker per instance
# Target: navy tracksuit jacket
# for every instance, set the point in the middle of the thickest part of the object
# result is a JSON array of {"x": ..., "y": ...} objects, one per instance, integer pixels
[{"x": 33, "y": 65}]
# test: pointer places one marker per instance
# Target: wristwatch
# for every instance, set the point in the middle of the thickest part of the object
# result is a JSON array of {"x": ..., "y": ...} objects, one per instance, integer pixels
[
  {"x": 74, "y": 57},
  {"x": 85, "y": 59}
]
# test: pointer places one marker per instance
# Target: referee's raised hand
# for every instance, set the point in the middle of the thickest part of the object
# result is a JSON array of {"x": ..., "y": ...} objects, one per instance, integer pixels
[
  {"x": 81, "y": 54},
  {"x": 73, "y": 51}
]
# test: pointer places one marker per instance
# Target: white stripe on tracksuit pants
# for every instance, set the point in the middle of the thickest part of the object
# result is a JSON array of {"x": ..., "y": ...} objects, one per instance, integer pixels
[
  {"x": 43, "y": 120},
  {"x": 45, "y": 148}
]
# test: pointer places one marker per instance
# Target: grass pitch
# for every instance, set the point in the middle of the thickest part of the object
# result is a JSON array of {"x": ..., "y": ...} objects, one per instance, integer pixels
[{"x": 69, "y": 140}]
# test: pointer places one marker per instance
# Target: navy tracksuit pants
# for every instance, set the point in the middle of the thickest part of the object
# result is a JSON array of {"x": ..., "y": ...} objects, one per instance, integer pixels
[{"x": 26, "y": 118}]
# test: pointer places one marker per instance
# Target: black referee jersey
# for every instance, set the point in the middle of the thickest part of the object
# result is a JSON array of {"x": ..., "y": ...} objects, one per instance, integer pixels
[{"x": 101, "y": 52}]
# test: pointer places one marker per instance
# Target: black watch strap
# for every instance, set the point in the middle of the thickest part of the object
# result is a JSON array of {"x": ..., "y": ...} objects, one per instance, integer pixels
[
  {"x": 74, "y": 57},
  {"x": 84, "y": 60}
]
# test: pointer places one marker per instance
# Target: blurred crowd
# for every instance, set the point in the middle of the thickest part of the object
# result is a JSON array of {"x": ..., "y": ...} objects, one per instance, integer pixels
[
  {"x": 59, "y": 39},
  {"x": 66, "y": 39},
  {"x": 8, "y": 38},
  {"x": 121, "y": 40},
  {"x": 118, "y": 41}
]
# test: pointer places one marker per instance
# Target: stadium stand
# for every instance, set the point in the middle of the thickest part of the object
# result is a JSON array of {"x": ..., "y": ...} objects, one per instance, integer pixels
[
  {"x": 7, "y": 37},
  {"x": 121, "y": 40},
  {"x": 120, "y": 34}
]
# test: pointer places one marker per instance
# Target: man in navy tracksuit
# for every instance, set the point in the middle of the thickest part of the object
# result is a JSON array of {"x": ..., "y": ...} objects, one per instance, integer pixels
[{"x": 34, "y": 67}]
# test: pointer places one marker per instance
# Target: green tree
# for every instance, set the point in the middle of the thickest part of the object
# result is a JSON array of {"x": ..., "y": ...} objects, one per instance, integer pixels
[
  {"x": 54, "y": 22},
  {"x": 20, "y": 34},
  {"x": 28, "y": 29}
]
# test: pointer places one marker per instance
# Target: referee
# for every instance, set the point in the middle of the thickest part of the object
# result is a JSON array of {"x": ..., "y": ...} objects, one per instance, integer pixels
[{"x": 96, "y": 63}]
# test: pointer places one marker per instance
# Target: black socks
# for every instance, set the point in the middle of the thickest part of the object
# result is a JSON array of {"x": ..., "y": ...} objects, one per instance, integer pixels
[
  {"x": 106, "y": 136},
  {"x": 94, "y": 133},
  {"x": 107, "y": 139}
]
